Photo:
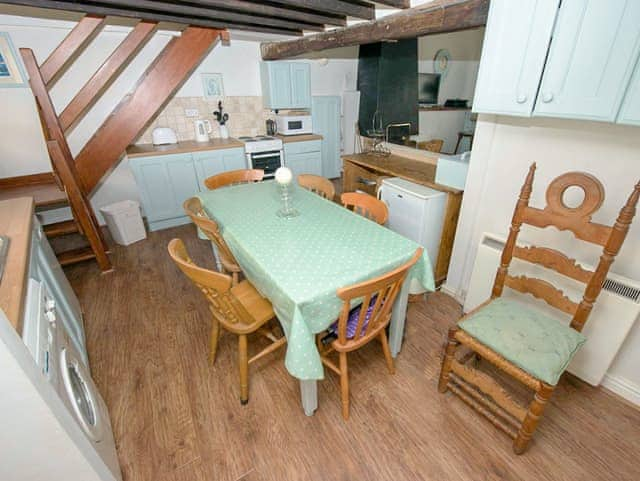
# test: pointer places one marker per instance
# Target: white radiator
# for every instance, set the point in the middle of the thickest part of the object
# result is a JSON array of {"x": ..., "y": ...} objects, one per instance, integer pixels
[{"x": 613, "y": 315}]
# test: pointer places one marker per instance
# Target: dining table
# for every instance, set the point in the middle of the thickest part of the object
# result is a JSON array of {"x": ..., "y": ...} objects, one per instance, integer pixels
[{"x": 299, "y": 262}]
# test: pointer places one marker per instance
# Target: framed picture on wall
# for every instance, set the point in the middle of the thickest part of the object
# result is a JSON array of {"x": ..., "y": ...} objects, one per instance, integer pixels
[
  {"x": 212, "y": 85},
  {"x": 11, "y": 72}
]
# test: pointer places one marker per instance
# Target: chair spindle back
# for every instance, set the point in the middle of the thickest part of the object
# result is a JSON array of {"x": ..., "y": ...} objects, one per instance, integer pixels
[{"x": 233, "y": 177}]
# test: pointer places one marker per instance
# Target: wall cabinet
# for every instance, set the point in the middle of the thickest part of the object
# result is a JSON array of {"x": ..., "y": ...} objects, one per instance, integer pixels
[
  {"x": 630, "y": 112},
  {"x": 304, "y": 157},
  {"x": 166, "y": 181},
  {"x": 571, "y": 59},
  {"x": 513, "y": 54},
  {"x": 326, "y": 122},
  {"x": 592, "y": 55},
  {"x": 286, "y": 85}
]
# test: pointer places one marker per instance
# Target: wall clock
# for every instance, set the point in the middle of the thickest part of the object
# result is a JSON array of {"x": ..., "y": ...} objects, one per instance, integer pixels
[{"x": 441, "y": 62}]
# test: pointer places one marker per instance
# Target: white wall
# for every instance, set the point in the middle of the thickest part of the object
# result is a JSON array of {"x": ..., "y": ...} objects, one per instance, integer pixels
[
  {"x": 504, "y": 148},
  {"x": 22, "y": 149}
]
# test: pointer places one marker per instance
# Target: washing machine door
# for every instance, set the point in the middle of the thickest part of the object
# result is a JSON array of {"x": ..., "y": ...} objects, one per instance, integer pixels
[{"x": 82, "y": 394}]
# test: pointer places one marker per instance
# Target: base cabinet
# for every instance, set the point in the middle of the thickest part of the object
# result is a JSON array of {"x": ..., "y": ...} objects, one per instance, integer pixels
[
  {"x": 304, "y": 157},
  {"x": 166, "y": 181}
]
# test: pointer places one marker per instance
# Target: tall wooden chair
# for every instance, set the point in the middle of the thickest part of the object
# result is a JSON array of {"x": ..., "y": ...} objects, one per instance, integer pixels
[
  {"x": 531, "y": 347},
  {"x": 239, "y": 309},
  {"x": 318, "y": 185},
  {"x": 193, "y": 208},
  {"x": 366, "y": 205},
  {"x": 357, "y": 328},
  {"x": 242, "y": 176}
]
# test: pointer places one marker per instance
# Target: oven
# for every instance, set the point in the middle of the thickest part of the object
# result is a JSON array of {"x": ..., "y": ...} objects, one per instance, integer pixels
[{"x": 268, "y": 161}]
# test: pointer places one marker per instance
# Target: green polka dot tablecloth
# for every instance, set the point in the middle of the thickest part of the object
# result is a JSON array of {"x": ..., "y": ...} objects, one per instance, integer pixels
[{"x": 299, "y": 263}]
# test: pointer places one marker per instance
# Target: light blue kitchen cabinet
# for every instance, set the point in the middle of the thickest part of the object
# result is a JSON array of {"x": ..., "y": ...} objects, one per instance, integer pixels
[
  {"x": 325, "y": 113},
  {"x": 212, "y": 162},
  {"x": 165, "y": 182},
  {"x": 304, "y": 157},
  {"x": 591, "y": 59},
  {"x": 286, "y": 85},
  {"x": 515, "y": 45},
  {"x": 630, "y": 111}
]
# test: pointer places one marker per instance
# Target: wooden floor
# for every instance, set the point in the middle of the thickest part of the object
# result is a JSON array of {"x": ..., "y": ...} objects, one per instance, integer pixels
[{"x": 176, "y": 418}]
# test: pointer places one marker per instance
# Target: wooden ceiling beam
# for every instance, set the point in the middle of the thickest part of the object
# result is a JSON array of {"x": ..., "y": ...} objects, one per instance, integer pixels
[
  {"x": 100, "y": 9},
  {"x": 189, "y": 10},
  {"x": 111, "y": 67},
  {"x": 445, "y": 16},
  {"x": 274, "y": 11},
  {"x": 395, "y": 3},
  {"x": 363, "y": 10}
]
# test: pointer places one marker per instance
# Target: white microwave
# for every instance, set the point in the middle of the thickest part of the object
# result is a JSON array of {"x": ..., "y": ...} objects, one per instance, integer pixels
[{"x": 293, "y": 124}]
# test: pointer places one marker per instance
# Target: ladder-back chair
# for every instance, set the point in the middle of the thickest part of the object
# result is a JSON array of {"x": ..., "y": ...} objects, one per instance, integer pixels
[
  {"x": 357, "y": 327},
  {"x": 193, "y": 208},
  {"x": 366, "y": 205},
  {"x": 233, "y": 177},
  {"x": 239, "y": 309},
  {"x": 533, "y": 348},
  {"x": 318, "y": 185}
]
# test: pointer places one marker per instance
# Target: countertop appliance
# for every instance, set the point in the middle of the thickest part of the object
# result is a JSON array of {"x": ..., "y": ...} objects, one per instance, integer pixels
[
  {"x": 272, "y": 127},
  {"x": 294, "y": 123},
  {"x": 263, "y": 152},
  {"x": 202, "y": 130},
  {"x": 416, "y": 212},
  {"x": 164, "y": 135}
]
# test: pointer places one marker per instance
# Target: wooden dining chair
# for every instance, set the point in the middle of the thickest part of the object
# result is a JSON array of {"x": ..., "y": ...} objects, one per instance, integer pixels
[
  {"x": 193, "y": 208},
  {"x": 233, "y": 177},
  {"x": 531, "y": 347},
  {"x": 239, "y": 309},
  {"x": 357, "y": 327},
  {"x": 318, "y": 185},
  {"x": 433, "y": 145},
  {"x": 366, "y": 205}
]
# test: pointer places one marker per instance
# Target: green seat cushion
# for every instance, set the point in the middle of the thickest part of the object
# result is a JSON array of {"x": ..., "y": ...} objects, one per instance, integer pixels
[{"x": 538, "y": 344}]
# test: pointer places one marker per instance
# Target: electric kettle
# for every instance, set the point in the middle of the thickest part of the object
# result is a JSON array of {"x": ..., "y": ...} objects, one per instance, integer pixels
[
  {"x": 272, "y": 127},
  {"x": 203, "y": 129}
]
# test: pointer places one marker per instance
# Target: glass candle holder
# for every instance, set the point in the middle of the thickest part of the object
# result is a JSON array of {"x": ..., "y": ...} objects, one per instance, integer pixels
[{"x": 287, "y": 210}]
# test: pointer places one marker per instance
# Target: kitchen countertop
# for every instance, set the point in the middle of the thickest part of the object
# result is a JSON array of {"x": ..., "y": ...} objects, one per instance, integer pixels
[
  {"x": 421, "y": 172},
  {"x": 287, "y": 139},
  {"x": 150, "y": 150},
  {"x": 16, "y": 218}
]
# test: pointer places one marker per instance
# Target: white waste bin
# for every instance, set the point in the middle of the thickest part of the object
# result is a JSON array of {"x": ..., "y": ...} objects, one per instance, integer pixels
[{"x": 125, "y": 222}]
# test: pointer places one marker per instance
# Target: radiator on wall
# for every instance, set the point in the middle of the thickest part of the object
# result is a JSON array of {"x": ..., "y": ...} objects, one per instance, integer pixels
[{"x": 613, "y": 315}]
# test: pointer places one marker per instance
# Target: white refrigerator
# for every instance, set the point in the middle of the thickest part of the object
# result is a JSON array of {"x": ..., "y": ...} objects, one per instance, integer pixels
[{"x": 416, "y": 212}]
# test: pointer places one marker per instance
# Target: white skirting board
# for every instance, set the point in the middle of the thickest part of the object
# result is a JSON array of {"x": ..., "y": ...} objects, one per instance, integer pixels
[{"x": 623, "y": 388}]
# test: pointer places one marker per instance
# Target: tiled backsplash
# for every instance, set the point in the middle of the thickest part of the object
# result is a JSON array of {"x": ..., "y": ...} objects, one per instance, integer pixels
[{"x": 246, "y": 117}]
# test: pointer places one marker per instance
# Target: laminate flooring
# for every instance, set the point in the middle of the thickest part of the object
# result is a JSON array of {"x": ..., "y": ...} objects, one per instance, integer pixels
[{"x": 175, "y": 417}]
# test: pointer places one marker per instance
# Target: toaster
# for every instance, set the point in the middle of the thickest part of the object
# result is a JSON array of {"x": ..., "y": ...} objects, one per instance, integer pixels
[{"x": 164, "y": 135}]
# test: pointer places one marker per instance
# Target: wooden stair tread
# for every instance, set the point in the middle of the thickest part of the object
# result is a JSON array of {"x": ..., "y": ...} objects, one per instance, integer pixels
[
  {"x": 61, "y": 228},
  {"x": 44, "y": 195},
  {"x": 76, "y": 255}
]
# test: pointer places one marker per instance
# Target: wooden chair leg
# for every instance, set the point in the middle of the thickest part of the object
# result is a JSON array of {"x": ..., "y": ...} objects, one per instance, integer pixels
[
  {"x": 447, "y": 358},
  {"x": 344, "y": 385},
  {"x": 213, "y": 341},
  {"x": 531, "y": 420},
  {"x": 243, "y": 363},
  {"x": 387, "y": 351}
]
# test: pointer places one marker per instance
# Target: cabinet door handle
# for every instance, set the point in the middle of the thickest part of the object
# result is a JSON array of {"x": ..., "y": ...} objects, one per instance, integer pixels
[
  {"x": 370, "y": 183},
  {"x": 547, "y": 97},
  {"x": 522, "y": 98}
]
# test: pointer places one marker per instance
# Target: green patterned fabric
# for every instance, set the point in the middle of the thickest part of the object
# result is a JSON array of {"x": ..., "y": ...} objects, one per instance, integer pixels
[
  {"x": 540, "y": 345},
  {"x": 299, "y": 263}
]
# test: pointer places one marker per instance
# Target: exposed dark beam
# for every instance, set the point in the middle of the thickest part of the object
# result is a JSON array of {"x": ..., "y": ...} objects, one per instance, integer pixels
[
  {"x": 395, "y": 3},
  {"x": 273, "y": 11},
  {"x": 98, "y": 9},
  {"x": 446, "y": 16},
  {"x": 340, "y": 7},
  {"x": 215, "y": 14}
]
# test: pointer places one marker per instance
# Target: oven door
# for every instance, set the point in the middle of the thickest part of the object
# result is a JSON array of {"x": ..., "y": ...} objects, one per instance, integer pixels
[{"x": 267, "y": 161}]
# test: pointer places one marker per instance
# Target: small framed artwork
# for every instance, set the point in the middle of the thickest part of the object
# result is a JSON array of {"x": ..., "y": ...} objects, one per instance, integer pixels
[
  {"x": 212, "y": 85},
  {"x": 11, "y": 72}
]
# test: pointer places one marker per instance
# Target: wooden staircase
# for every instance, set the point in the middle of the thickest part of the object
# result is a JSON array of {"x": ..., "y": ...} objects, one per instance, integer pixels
[{"x": 73, "y": 179}]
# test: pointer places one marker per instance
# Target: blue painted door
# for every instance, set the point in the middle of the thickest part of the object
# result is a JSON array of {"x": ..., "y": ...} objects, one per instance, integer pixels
[
  {"x": 305, "y": 163},
  {"x": 165, "y": 183},
  {"x": 513, "y": 55},
  {"x": 276, "y": 85},
  {"x": 300, "y": 85},
  {"x": 234, "y": 159},
  {"x": 591, "y": 59},
  {"x": 630, "y": 111},
  {"x": 213, "y": 162},
  {"x": 325, "y": 113}
]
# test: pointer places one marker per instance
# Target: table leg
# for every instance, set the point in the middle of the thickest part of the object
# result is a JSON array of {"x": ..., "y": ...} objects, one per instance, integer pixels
[
  {"x": 309, "y": 394},
  {"x": 398, "y": 317}
]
